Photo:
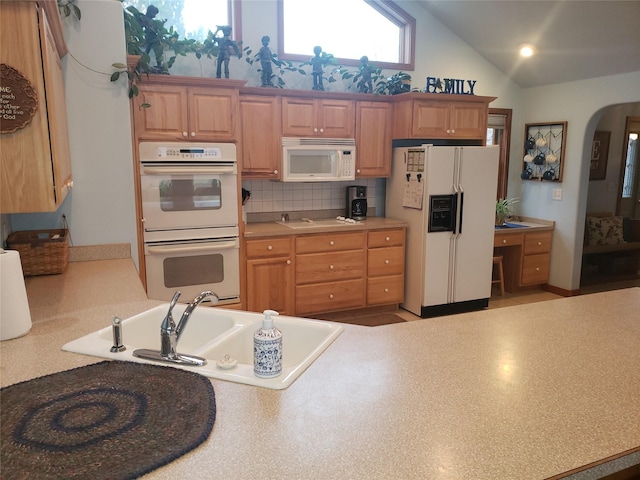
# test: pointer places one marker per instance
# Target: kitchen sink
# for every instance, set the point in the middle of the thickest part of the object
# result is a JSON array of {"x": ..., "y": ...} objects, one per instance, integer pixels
[
  {"x": 217, "y": 334},
  {"x": 331, "y": 222}
]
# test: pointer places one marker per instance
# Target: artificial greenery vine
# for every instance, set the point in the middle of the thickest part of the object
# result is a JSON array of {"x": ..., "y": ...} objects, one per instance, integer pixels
[{"x": 145, "y": 34}]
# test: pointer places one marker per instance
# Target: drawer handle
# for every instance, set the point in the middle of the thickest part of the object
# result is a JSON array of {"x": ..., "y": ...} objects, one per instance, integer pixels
[
  {"x": 386, "y": 290},
  {"x": 269, "y": 247},
  {"x": 331, "y": 243},
  {"x": 539, "y": 244},
  {"x": 288, "y": 262},
  {"x": 537, "y": 269},
  {"x": 504, "y": 241},
  {"x": 386, "y": 262},
  {"x": 330, "y": 267},
  {"x": 387, "y": 239},
  {"x": 331, "y": 296}
]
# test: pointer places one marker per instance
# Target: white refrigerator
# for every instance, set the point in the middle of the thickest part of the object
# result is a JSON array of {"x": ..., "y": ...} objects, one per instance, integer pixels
[{"x": 447, "y": 196}]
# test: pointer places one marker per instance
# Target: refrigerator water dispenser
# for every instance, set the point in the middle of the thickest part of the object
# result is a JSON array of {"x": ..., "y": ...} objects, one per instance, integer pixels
[{"x": 442, "y": 213}]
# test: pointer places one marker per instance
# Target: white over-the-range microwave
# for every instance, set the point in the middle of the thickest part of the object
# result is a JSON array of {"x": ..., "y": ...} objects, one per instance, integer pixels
[{"x": 318, "y": 159}]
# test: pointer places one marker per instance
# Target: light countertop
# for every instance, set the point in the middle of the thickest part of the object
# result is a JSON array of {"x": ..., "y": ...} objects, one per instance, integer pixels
[
  {"x": 529, "y": 225},
  {"x": 268, "y": 229},
  {"x": 524, "y": 392}
]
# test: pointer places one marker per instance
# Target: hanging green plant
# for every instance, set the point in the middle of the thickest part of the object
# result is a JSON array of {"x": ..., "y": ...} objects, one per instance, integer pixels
[{"x": 69, "y": 7}]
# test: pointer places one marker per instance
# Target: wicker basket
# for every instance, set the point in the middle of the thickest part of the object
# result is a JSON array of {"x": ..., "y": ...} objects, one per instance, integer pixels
[{"x": 42, "y": 252}]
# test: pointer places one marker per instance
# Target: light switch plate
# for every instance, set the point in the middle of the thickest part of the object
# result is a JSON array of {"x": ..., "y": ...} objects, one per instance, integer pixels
[{"x": 557, "y": 194}]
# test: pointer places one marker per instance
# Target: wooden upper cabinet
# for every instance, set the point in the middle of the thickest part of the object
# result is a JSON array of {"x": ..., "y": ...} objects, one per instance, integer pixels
[
  {"x": 306, "y": 117},
  {"x": 166, "y": 118},
  {"x": 456, "y": 117},
  {"x": 186, "y": 113},
  {"x": 373, "y": 139},
  {"x": 35, "y": 164},
  {"x": 260, "y": 136}
]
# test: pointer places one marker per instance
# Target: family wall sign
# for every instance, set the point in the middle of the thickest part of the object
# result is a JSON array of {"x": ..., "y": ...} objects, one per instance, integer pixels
[{"x": 455, "y": 86}]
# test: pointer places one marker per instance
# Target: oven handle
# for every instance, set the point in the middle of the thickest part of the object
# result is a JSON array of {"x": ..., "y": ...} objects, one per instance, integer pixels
[
  {"x": 188, "y": 171},
  {"x": 193, "y": 248}
]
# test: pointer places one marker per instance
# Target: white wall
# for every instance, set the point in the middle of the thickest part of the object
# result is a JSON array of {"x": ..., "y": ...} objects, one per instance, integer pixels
[
  {"x": 101, "y": 206},
  {"x": 580, "y": 104}
]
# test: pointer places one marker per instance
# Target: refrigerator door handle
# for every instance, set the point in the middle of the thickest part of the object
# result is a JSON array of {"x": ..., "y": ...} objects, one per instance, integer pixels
[
  {"x": 460, "y": 210},
  {"x": 453, "y": 243}
]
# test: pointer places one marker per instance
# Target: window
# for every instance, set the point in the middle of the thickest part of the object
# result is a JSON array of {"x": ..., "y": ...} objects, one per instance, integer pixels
[
  {"x": 347, "y": 29},
  {"x": 630, "y": 166},
  {"x": 194, "y": 18}
]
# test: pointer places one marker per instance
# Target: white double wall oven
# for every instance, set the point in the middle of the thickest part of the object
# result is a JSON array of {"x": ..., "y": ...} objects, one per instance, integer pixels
[{"x": 189, "y": 197}]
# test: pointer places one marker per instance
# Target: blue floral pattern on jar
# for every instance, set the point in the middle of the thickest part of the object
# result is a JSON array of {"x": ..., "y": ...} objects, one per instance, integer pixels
[{"x": 267, "y": 357}]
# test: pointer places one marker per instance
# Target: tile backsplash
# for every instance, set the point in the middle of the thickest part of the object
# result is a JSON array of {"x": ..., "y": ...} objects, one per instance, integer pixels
[{"x": 281, "y": 197}]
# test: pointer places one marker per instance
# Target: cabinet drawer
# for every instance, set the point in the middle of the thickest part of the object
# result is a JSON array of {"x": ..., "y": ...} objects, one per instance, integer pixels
[
  {"x": 323, "y": 267},
  {"x": 535, "y": 269},
  {"x": 327, "y": 297},
  {"x": 386, "y": 238},
  {"x": 508, "y": 240},
  {"x": 537, "y": 243},
  {"x": 269, "y": 247},
  {"x": 385, "y": 290},
  {"x": 385, "y": 261},
  {"x": 330, "y": 243}
]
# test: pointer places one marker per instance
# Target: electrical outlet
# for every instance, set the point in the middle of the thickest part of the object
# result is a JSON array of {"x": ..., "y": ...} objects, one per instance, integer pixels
[{"x": 557, "y": 194}]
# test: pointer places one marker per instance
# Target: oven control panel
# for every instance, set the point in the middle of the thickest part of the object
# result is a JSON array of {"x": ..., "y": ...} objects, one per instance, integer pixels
[{"x": 199, "y": 152}]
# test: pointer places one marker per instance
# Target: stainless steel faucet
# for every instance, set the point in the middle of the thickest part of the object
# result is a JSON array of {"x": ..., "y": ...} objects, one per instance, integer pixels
[
  {"x": 170, "y": 334},
  {"x": 189, "y": 310}
]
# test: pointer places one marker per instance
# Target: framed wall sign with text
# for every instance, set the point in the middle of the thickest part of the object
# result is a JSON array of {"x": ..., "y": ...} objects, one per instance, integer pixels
[{"x": 599, "y": 155}]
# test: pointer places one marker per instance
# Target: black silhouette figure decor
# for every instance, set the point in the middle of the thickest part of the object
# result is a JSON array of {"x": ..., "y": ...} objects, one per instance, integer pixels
[
  {"x": 316, "y": 68},
  {"x": 266, "y": 58},
  {"x": 365, "y": 85},
  {"x": 152, "y": 41},
  {"x": 225, "y": 44}
]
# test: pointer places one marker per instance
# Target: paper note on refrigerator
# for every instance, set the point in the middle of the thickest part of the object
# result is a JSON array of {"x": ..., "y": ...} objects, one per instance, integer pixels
[
  {"x": 414, "y": 186},
  {"x": 413, "y": 192}
]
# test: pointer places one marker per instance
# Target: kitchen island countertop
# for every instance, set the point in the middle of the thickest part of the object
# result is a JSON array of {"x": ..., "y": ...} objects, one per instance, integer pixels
[{"x": 526, "y": 392}]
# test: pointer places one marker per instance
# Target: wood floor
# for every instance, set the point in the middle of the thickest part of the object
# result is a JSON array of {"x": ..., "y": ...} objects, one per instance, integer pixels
[{"x": 536, "y": 295}]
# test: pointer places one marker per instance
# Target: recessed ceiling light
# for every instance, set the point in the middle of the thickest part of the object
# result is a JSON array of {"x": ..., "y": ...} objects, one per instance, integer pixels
[{"x": 527, "y": 50}]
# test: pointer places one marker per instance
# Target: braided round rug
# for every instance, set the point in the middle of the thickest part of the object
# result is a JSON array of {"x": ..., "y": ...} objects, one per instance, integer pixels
[{"x": 115, "y": 420}]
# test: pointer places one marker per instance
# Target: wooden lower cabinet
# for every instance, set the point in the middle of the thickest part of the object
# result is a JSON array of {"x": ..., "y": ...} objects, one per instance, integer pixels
[
  {"x": 526, "y": 257},
  {"x": 330, "y": 272},
  {"x": 536, "y": 258},
  {"x": 317, "y": 273},
  {"x": 385, "y": 267},
  {"x": 270, "y": 275},
  {"x": 328, "y": 297}
]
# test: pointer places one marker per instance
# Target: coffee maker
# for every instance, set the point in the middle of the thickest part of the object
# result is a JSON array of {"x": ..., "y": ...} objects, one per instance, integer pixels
[{"x": 356, "y": 202}]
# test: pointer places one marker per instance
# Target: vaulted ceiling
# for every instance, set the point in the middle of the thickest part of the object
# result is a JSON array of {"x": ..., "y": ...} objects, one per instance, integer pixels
[{"x": 575, "y": 40}]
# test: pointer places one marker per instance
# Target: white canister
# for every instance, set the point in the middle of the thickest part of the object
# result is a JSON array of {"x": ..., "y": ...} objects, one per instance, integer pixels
[{"x": 15, "y": 317}]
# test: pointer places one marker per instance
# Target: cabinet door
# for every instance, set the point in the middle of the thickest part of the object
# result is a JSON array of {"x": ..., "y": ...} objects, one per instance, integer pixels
[
  {"x": 535, "y": 269},
  {"x": 373, "y": 139},
  {"x": 212, "y": 114},
  {"x": 336, "y": 118},
  {"x": 166, "y": 118},
  {"x": 270, "y": 285},
  {"x": 260, "y": 136},
  {"x": 430, "y": 119},
  {"x": 298, "y": 117},
  {"x": 468, "y": 120},
  {"x": 56, "y": 112},
  {"x": 330, "y": 297},
  {"x": 34, "y": 177},
  {"x": 306, "y": 117}
]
